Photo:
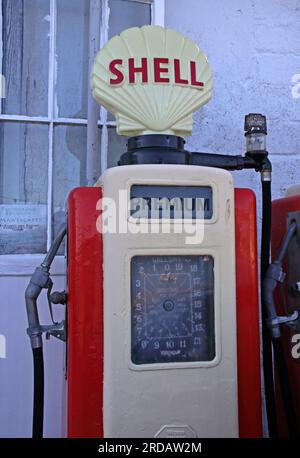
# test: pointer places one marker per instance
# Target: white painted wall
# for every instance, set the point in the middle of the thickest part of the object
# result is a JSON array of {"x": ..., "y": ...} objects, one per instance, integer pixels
[
  {"x": 16, "y": 370},
  {"x": 253, "y": 47}
]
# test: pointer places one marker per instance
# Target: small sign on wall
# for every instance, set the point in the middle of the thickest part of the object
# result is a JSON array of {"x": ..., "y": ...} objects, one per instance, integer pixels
[{"x": 23, "y": 229}]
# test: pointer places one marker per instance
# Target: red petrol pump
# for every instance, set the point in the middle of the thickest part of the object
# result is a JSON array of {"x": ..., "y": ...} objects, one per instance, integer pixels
[
  {"x": 162, "y": 282},
  {"x": 283, "y": 273}
]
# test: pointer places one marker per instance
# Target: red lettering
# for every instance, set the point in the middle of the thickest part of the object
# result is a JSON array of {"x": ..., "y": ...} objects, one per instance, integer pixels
[
  {"x": 177, "y": 76},
  {"x": 132, "y": 70},
  {"x": 158, "y": 70},
  {"x": 116, "y": 72},
  {"x": 194, "y": 81},
  {"x": 161, "y": 73}
]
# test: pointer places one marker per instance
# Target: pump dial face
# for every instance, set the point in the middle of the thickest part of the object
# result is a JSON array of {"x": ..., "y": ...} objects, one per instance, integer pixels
[{"x": 172, "y": 309}]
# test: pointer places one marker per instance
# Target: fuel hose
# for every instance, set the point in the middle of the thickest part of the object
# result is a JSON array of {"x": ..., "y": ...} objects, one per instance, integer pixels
[
  {"x": 38, "y": 390},
  {"x": 273, "y": 274},
  {"x": 39, "y": 280},
  {"x": 267, "y": 354}
]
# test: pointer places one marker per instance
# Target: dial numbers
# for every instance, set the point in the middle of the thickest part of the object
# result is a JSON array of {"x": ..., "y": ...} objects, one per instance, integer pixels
[{"x": 172, "y": 312}]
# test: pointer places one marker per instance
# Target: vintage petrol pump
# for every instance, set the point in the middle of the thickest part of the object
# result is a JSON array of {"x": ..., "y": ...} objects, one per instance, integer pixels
[
  {"x": 284, "y": 273},
  {"x": 162, "y": 281}
]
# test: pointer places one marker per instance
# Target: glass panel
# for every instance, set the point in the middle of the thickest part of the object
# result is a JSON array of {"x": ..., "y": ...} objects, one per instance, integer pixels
[
  {"x": 23, "y": 188},
  {"x": 116, "y": 147},
  {"x": 165, "y": 201},
  {"x": 172, "y": 309},
  {"x": 125, "y": 14},
  {"x": 72, "y": 57},
  {"x": 69, "y": 168},
  {"x": 25, "y": 62}
]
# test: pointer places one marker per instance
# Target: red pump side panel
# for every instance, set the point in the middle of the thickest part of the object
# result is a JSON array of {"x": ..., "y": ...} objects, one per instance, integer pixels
[
  {"x": 85, "y": 309},
  {"x": 280, "y": 210},
  {"x": 248, "y": 342}
]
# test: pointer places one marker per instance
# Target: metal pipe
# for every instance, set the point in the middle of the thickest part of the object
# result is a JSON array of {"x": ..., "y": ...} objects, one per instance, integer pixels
[
  {"x": 39, "y": 280},
  {"x": 272, "y": 277},
  {"x": 221, "y": 161},
  {"x": 54, "y": 248},
  {"x": 286, "y": 241},
  {"x": 93, "y": 109}
]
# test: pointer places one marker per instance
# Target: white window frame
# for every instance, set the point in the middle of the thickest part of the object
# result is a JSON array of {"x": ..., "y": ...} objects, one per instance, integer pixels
[{"x": 98, "y": 35}]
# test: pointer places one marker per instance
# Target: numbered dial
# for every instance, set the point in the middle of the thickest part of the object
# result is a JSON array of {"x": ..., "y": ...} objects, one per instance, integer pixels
[{"x": 172, "y": 302}]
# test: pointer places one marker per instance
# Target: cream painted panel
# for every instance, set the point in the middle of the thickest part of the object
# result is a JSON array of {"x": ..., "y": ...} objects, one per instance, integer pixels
[
  {"x": 194, "y": 398},
  {"x": 293, "y": 191}
]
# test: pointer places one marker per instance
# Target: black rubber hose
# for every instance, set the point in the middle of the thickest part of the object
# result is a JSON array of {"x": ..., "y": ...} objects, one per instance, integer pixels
[
  {"x": 282, "y": 372},
  {"x": 266, "y": 338},
  {"x": 38, "y": 400}
]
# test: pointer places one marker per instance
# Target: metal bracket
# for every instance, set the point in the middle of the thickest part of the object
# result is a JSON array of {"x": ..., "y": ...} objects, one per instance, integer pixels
[
  {"x": 285, "y": 319},
  {"x": 274, "y": 323},
  {"x": 293, "y": 264},
  {"x": 276, "y": 273},
  {"x": 57, "y": 330}
]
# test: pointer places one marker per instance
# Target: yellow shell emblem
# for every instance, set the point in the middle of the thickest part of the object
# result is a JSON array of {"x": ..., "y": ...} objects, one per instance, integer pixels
[{"x": 152, "y": 79}]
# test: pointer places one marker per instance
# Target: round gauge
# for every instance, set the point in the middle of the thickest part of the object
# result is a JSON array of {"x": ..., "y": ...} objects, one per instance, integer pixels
[{"x": 172, "y": 309}]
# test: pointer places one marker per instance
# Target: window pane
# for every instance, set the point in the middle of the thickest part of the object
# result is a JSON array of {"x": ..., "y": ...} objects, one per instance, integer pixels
[
  {"x": 116, "y": 147},
  {"x": 125, "y": 14},
  {"x": 69, "y": 169},
  {"x": 25, "y": 60},
  {"x": 23, "y": 187},
  {"x": 69, "y": 162},
  {"x": 72, "y": 57}
]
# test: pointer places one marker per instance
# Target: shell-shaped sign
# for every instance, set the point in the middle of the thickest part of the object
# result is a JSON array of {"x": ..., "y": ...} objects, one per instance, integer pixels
[{"x": 152, "y": 79}]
